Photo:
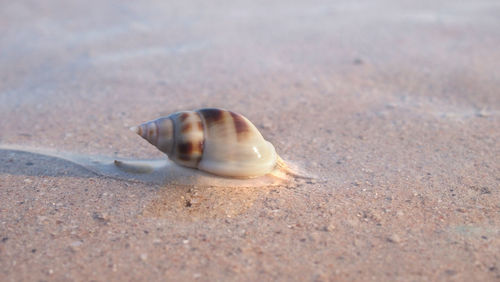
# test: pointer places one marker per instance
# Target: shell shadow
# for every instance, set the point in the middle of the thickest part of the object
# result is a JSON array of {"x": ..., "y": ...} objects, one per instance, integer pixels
[
  {"x": 39, "y": 162},
  {"x": 19, "y": 162}
]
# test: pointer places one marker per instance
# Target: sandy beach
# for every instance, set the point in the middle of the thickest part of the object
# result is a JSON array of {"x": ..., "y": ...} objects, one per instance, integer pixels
[{"x": 393, "y": 106}]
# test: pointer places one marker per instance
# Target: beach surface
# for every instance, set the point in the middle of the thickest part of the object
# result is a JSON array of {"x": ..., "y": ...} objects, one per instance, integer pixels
[{"x": 393, "y": 106}]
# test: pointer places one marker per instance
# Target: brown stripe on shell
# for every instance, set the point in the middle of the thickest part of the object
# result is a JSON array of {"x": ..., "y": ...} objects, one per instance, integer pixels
[
  {"x": 185, "y": 128},
  {"x": 183, "y": 116},
  {"x": 173, "y": 137},
  {"x": 152, "y": 128},
  {"x": 157, "y": 127},
  {"x": 201, "y": 144},
  {"x": 184, "y": 157},
  {"x": 185, "y": 148},
  {"x": 240, "y": 125},
  {"x": 211, "y": 115},
  {"x": 189, "y": 151}
]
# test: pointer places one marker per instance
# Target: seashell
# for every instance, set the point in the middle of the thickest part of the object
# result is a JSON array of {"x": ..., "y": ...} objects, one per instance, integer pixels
[{"x": 217, "y": 141}]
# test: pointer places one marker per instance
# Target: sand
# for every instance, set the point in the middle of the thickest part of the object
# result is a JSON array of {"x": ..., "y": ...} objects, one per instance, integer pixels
[{"x": 393, "y": 105}]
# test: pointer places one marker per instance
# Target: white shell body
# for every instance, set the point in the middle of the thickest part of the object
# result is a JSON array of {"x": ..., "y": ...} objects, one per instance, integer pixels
[{"x": 213, "y": 140}]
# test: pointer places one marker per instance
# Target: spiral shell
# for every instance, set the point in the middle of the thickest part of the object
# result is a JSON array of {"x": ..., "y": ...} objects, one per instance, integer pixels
[{"x": 213, "y": 140}]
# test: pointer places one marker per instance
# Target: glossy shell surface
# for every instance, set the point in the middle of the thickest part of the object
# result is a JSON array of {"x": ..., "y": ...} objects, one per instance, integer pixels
[{"x": 217, "y": 141}]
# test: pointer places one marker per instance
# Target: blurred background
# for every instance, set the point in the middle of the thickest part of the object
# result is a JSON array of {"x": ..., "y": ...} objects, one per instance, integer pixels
[{"x": 71, "y": 69}]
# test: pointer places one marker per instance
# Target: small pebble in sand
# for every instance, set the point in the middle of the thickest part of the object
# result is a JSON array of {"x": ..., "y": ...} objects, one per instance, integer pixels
[
  {"x": 76, "y": 244},
  {"x": 394, "y": 238}
]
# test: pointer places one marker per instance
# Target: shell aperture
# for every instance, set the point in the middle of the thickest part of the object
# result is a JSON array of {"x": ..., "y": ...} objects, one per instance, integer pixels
[{"x": 217, "y": 141}]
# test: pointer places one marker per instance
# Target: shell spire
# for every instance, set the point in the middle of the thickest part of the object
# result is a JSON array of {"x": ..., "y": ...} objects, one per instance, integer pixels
[{"x": 158, "y": 132}]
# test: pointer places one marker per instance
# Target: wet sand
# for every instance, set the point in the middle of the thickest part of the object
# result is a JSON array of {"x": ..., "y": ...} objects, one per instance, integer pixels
[{"x": 393, "y": 106}]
